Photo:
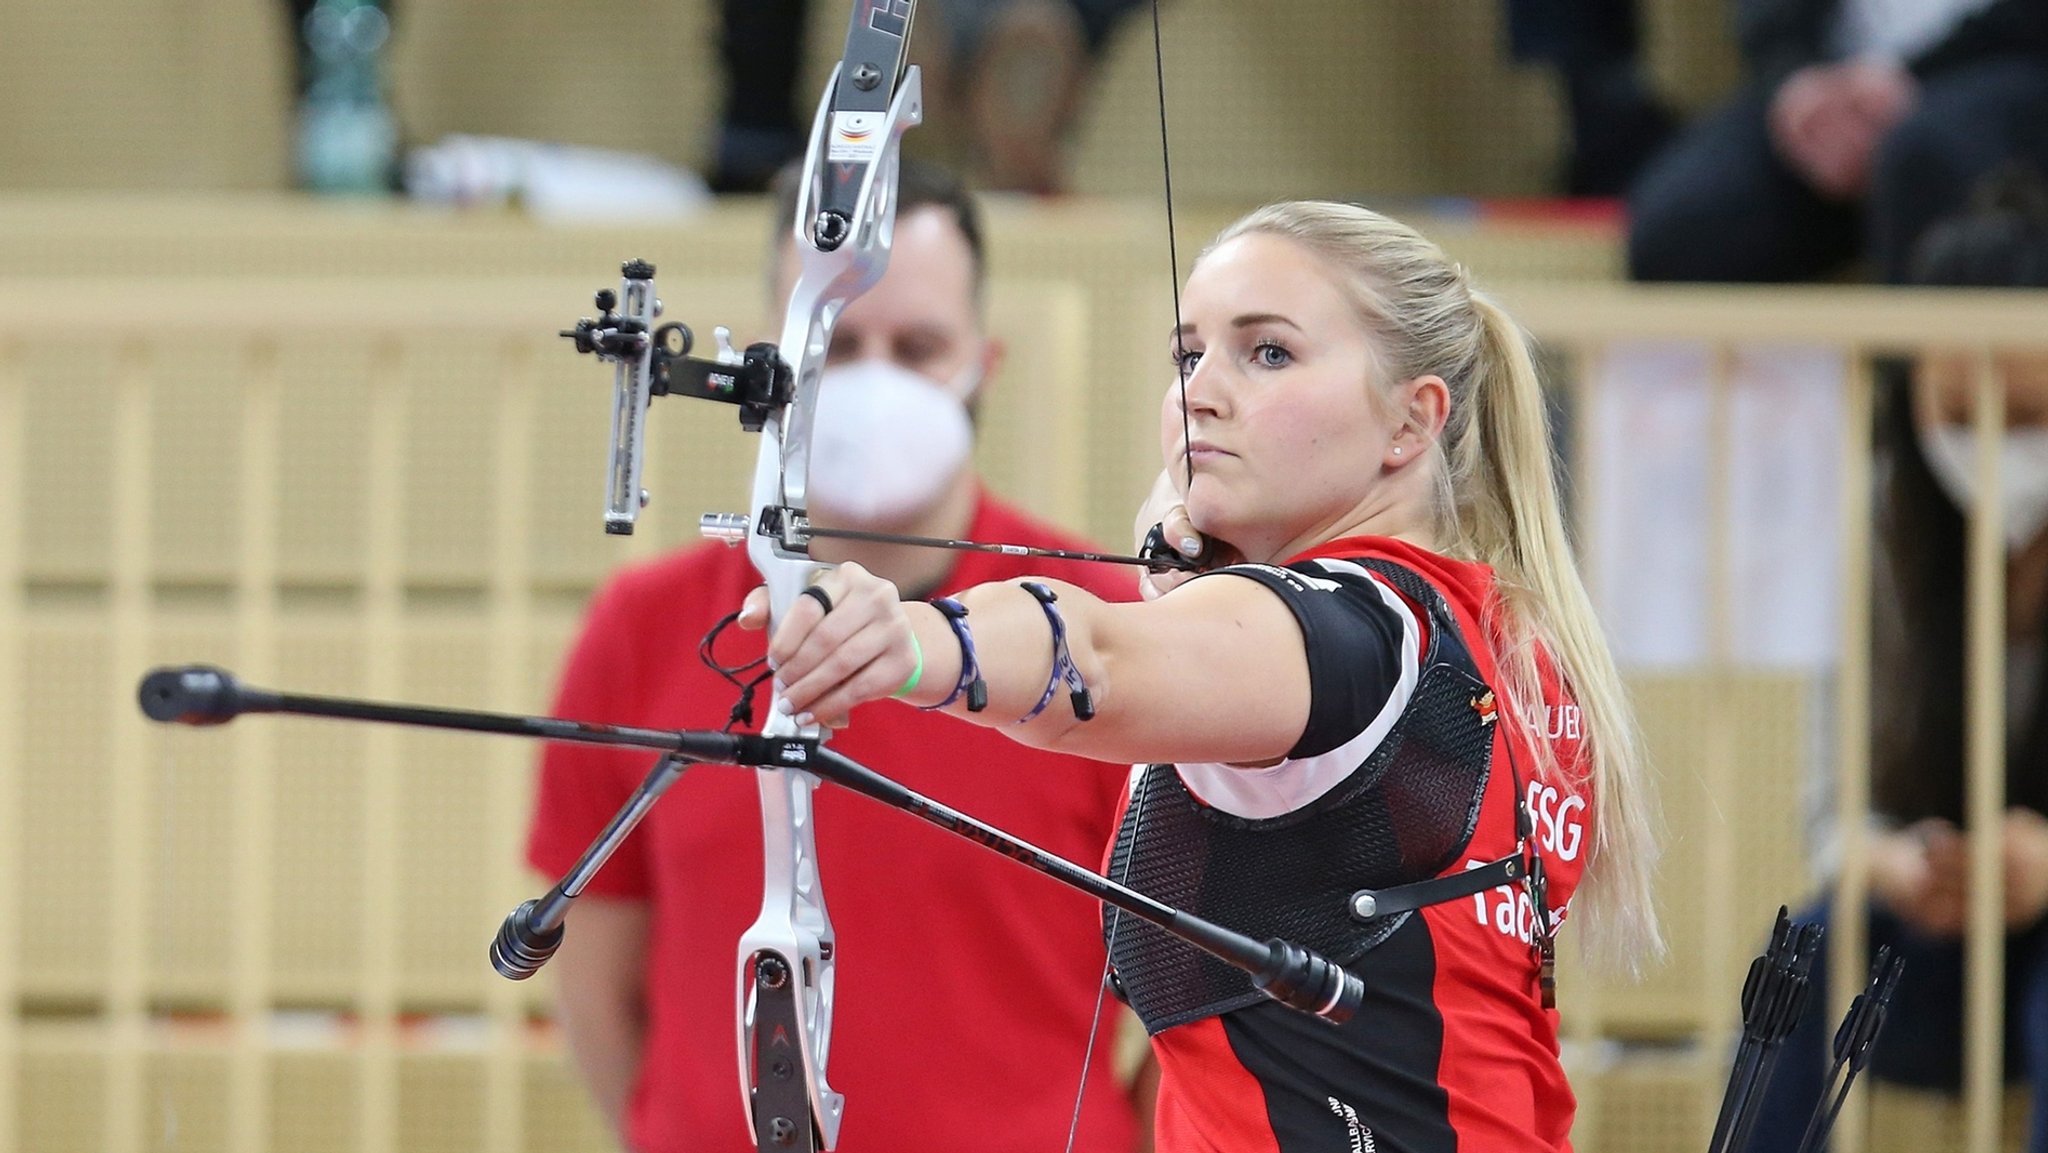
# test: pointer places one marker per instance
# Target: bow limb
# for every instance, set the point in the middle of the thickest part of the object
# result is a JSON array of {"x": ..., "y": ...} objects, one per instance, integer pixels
[{"x": 843, "y": 230}]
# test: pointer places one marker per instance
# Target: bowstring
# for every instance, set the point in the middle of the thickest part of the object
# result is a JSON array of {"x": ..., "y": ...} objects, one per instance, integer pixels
[
  {"x": 1180, "y": 372},
  {"x": 1180, "y": 348},
  {"x": 1116, "y": 920},
  {"x": 1094, "y": 1032}
]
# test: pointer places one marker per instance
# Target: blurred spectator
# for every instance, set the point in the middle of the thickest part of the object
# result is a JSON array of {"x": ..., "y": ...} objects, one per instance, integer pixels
[
  {"x": 1015, "y": 67},
  {"x": 1918, "y": 871},
  {"x": 761, "y": 45},
  {"x": 1617, "y": 123},
  {"x": 1861, "y": 123}
]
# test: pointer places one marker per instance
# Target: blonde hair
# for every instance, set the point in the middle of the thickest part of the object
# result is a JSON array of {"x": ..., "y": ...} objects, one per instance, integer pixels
[{"x": 1498, "y": 504}]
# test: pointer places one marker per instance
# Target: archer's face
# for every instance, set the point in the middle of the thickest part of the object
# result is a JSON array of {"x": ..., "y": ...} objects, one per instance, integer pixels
[
  {"x": 922, "y": 314},
  {"x": 1287, "y": 437}
]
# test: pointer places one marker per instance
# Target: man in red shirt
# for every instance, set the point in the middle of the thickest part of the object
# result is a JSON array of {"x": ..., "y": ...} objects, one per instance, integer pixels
[{"x": 965, "y": 984}]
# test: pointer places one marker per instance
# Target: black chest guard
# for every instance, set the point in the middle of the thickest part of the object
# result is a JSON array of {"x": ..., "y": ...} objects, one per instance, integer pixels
[{"x": 1402, "y": 816}]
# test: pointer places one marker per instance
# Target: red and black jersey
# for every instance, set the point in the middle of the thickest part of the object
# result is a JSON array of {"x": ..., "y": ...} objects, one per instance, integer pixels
[{"x": 1452, "y": 1049}]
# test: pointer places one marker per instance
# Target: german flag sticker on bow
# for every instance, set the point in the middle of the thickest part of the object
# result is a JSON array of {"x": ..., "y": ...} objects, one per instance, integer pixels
[{"x": 854, "y": 137}]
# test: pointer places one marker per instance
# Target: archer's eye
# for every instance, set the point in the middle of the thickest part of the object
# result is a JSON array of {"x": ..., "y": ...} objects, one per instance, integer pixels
[
  {"x": 1270, "y": 355},
  {"x": 1185, "y": 359}
]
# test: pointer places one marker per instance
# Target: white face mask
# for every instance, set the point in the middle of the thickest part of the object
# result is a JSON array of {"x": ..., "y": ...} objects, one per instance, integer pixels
[
  {"x": 888, "y": 443},
  {"x": 2023, "y": 475}
]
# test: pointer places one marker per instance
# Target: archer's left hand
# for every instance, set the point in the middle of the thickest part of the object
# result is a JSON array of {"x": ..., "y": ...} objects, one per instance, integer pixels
[{"x": 829, "y": 661}]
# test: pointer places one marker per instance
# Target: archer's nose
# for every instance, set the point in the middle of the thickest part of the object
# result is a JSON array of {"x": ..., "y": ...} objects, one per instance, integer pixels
[{"x": 1203, "y": 392}]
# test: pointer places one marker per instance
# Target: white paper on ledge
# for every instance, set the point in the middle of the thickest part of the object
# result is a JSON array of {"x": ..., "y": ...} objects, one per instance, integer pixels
[{"x": 558, "y": 183}]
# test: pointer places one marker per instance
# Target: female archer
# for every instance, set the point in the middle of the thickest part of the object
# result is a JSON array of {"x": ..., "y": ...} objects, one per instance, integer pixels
[{"x": 1392, "y": 730}]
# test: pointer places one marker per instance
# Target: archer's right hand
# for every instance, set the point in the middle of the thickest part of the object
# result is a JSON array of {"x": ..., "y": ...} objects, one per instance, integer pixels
[{"x": 1166, "y": 508}]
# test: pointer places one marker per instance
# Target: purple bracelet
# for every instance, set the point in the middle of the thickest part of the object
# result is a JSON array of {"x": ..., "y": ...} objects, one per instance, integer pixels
[{"x": 970, "y": 683}]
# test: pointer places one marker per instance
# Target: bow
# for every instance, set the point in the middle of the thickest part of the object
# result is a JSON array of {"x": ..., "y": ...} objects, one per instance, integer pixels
[
  {"x": 844, "y": 226},
  {"x": 845, "y": 223},
  {"x": 843, "y": 230}
]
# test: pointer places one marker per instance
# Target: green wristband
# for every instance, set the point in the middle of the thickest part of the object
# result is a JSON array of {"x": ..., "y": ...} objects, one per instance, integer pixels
[{"x": 916, "y": 674}]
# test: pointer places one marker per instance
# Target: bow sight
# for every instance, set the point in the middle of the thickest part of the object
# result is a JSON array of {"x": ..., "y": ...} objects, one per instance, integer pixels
[
  {"x": 650, "y": 362},
  {"x": 759, "y": 381}
]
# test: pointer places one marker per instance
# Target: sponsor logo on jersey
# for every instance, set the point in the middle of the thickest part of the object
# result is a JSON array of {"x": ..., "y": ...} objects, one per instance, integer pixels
[
  {"x": 1299, "y": 582},
  {"x": 1361, "y": 1137}
]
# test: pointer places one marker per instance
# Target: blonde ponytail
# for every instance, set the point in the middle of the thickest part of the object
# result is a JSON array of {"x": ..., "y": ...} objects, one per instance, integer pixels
[
  {"x": 1502, "y": 470},
  {"x": 1499, "y": 505}
]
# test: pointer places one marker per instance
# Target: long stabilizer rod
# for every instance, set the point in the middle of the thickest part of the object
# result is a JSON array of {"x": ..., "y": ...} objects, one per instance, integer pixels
[{"x": 1287, "y": 972}]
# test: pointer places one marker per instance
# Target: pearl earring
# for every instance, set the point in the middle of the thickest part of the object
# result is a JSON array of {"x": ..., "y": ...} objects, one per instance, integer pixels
[{"x": 1397, "y": 450}]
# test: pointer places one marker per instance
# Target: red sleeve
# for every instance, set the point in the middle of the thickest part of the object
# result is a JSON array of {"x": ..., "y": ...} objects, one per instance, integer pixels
[{"x": 581, "y": 786}]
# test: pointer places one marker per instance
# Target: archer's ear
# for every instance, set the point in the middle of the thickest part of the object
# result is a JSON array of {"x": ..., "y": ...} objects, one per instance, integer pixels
[{"x": 1429, "y": 405}]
